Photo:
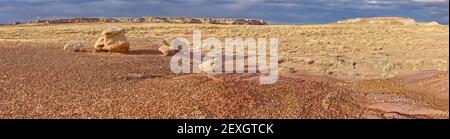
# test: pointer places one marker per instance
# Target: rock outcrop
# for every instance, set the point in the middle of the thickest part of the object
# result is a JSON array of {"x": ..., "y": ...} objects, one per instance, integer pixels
[
  {"x": 153, "y": 19},
  {"x": 380, "y": 20},
  {"x": 112, "y": 40}
]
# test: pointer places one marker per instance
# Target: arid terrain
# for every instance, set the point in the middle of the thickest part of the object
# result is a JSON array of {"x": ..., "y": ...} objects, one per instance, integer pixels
[{"x": 326, "y": 71}]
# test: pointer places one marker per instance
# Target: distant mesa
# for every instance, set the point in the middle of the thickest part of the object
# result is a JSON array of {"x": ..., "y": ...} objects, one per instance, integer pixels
[
  {"x": 153, "y": 19},
  {"x": 222, "y": 21},
  {"x": 386, "y": 21}
]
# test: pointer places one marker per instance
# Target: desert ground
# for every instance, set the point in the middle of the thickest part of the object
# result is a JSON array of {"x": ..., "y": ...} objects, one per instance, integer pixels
[{"x": 332, "y": 71}]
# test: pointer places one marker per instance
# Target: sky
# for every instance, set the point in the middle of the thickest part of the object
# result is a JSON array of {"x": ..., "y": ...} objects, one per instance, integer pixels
[{"x": 272, "y": 11}]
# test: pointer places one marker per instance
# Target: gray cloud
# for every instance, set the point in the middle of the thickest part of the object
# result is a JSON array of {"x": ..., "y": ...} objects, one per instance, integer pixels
[{"x": 274, "y": 11}]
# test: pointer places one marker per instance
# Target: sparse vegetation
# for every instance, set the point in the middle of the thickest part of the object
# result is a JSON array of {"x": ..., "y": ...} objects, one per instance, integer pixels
[
  {"x": 39, "y": 80},
  {"x": 364, "y": 44}
]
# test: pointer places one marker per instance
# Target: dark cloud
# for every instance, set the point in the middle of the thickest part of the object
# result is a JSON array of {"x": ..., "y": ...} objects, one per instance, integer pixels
[{"x": 274, "y": 11}]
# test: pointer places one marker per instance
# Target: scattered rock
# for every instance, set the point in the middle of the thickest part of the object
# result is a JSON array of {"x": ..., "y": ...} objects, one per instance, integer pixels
[
  {"x": 309, "y": 61},
  {"x": 292, "y": 70},
  {"x": 99, "y": 43},
  {"x": 282, "y": 60},
  {"x": 112, "y": 40},
  {"x": 166, "y": 50},
  {"x": 139, "y": 76},
  {"x": 73, "y": 47},
  {"x": 135, "y": 76},
  {"x": 212, "y": 67}
]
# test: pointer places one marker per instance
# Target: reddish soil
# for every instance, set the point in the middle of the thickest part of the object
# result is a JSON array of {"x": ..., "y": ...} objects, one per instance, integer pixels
[{"x": 45, "y": 82}]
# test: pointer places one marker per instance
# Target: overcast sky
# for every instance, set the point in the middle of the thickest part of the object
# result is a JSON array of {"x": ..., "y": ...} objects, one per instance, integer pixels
[{"x": 273, "y": 11}]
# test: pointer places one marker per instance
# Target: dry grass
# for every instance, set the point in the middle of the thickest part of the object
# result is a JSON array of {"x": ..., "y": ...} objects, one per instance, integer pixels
[{"x": 339, "y": 50}]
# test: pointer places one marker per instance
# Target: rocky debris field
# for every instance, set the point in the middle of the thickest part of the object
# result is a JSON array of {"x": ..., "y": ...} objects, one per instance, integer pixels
[{"x": 326, "y": 71}]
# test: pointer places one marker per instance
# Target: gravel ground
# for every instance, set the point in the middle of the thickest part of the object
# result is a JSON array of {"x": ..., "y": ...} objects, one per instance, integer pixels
[{"x": 45, "y": 82}]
